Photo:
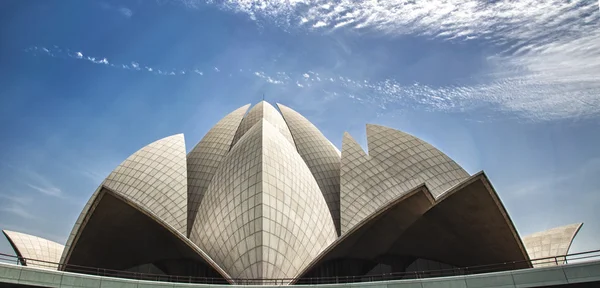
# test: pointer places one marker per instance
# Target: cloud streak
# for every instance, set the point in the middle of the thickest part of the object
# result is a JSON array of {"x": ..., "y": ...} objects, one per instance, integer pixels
[
  {"x": 16, "y": 205},
  {"x": 35, "y": 181},
  {"x": 16, "y": 199},
  {"x": 450, "y": 19},
  {"x": 543, "y": 90},
  {"x": 58, "y": 52},
  {"x": 122, "y": 10},
  {"x": 18, "y": 210},
  {"x": 548, "y": 67},
  {"x": 126, "y": 12},
  {"x": 48, "y": 190},
  {"x": 42, "y": 185}
]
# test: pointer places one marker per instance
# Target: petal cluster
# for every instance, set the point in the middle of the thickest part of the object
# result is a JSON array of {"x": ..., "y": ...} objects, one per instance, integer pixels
[{"x": 264, "y": 195}]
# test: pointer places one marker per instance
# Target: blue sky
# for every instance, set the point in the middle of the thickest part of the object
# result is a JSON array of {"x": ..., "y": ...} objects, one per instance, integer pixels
[{"x": 508, "y": 87}]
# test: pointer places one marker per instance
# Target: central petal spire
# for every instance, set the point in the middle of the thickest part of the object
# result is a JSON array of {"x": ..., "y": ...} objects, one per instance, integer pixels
[
  {"x": 266, "y": 111},
  {"x": 263, "y": 215}
]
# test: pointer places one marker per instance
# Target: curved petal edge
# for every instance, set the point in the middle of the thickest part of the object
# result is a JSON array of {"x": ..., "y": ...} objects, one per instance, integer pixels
[
  {"x": 263, "y": 111},
  {"x": 35, "y": 251},
  {"x": 320, "y": 155},
  {"x": 467, "y": 226},
  {"x": 553, "y": 242},
  {"x": 255, "y": 221},
  {"x": 206, "y": 157},
  {"x": 155, "y": 178},
  {"x": 411, "y": 159},
  {"x": 118, "y": 234}
]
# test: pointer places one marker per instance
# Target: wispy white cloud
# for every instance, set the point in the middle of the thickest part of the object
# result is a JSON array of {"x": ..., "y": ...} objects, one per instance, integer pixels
[
  {"x": 58, "y": 52},
  {"x": 509, "y": 20},
  {"x": 41, "y": 184},
  {"x": 269, "y": 79},
  {"x": 94, "y": 176},
  {"x": 531, "y": 87},
  {"x": 319, "y": 24},
  {"x": 35, "y": 181},
  {"x": 548, "y": 69},
  {"x": 542, "y": 185},
  {"x": 122, "y": 10},
  {"x": 16, "y": 209},
  {"x": 16, "y": 205},
  {"x": 125, "y": 12},
  {"x": 22, "y": 200},
  {"x": 48, "y": 190}
]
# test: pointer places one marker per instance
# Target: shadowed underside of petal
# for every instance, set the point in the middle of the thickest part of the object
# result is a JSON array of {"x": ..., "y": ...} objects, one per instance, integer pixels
[
  {"x": 120, "y": 235},
  {"x": 468, "y": 226},
  {"x": 374, "y": 235},
  {"x": 397, "y": 162},
  {"x": 265, "y": 196},
  {"x": 154, "y": 179}
]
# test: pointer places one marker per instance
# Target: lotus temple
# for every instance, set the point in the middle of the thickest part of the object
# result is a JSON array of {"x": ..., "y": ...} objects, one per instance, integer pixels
[{"x": 264, "y": 195}]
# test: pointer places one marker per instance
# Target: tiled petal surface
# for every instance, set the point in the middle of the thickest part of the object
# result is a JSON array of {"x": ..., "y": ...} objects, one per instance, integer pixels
[
  {"x": 228, "y": 224},
  {"x": 205, "y": 158},
  {"x": 297, "y": 224},
  {"x": 550, "y": 243},
  {"x": 155, "y": 178},
  {"x": 38, "y": 252},
  {"x": 365, "y": 186},
  {"x": 411, "y": 159},
  {"x": 266, "y": 111},
  {"x": 263, "y": 215},
  {"x": 320, "y": 155}
]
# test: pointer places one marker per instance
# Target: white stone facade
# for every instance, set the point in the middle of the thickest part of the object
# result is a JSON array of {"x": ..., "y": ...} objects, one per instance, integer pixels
[
  {"x": 204, "y": 160},
  {"x": 321, "y": 157},
  {"x": 263, "y": 215},
  {"x": 547, "y": 245},
  {"x": 264, "y": 195},
  {"x": 35, "y": 251},
  {"x": 155, "y": 178}
]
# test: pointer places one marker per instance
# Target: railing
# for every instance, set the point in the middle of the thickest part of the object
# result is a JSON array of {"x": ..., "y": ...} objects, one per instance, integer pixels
[{"x": 547, "y": 261}]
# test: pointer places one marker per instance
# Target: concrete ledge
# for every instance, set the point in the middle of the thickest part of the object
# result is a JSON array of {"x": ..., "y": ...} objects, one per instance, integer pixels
[
  {"x": 445, "y": 282},
  {"x": 580, "y": 274},
  {"x": 490, "y": 280},
  {"x": 536, "y": 277},
  {"x": 79, "y": 281},
  {"x": 10, "y": 274},
  {"x": 539, "y": 277}
]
